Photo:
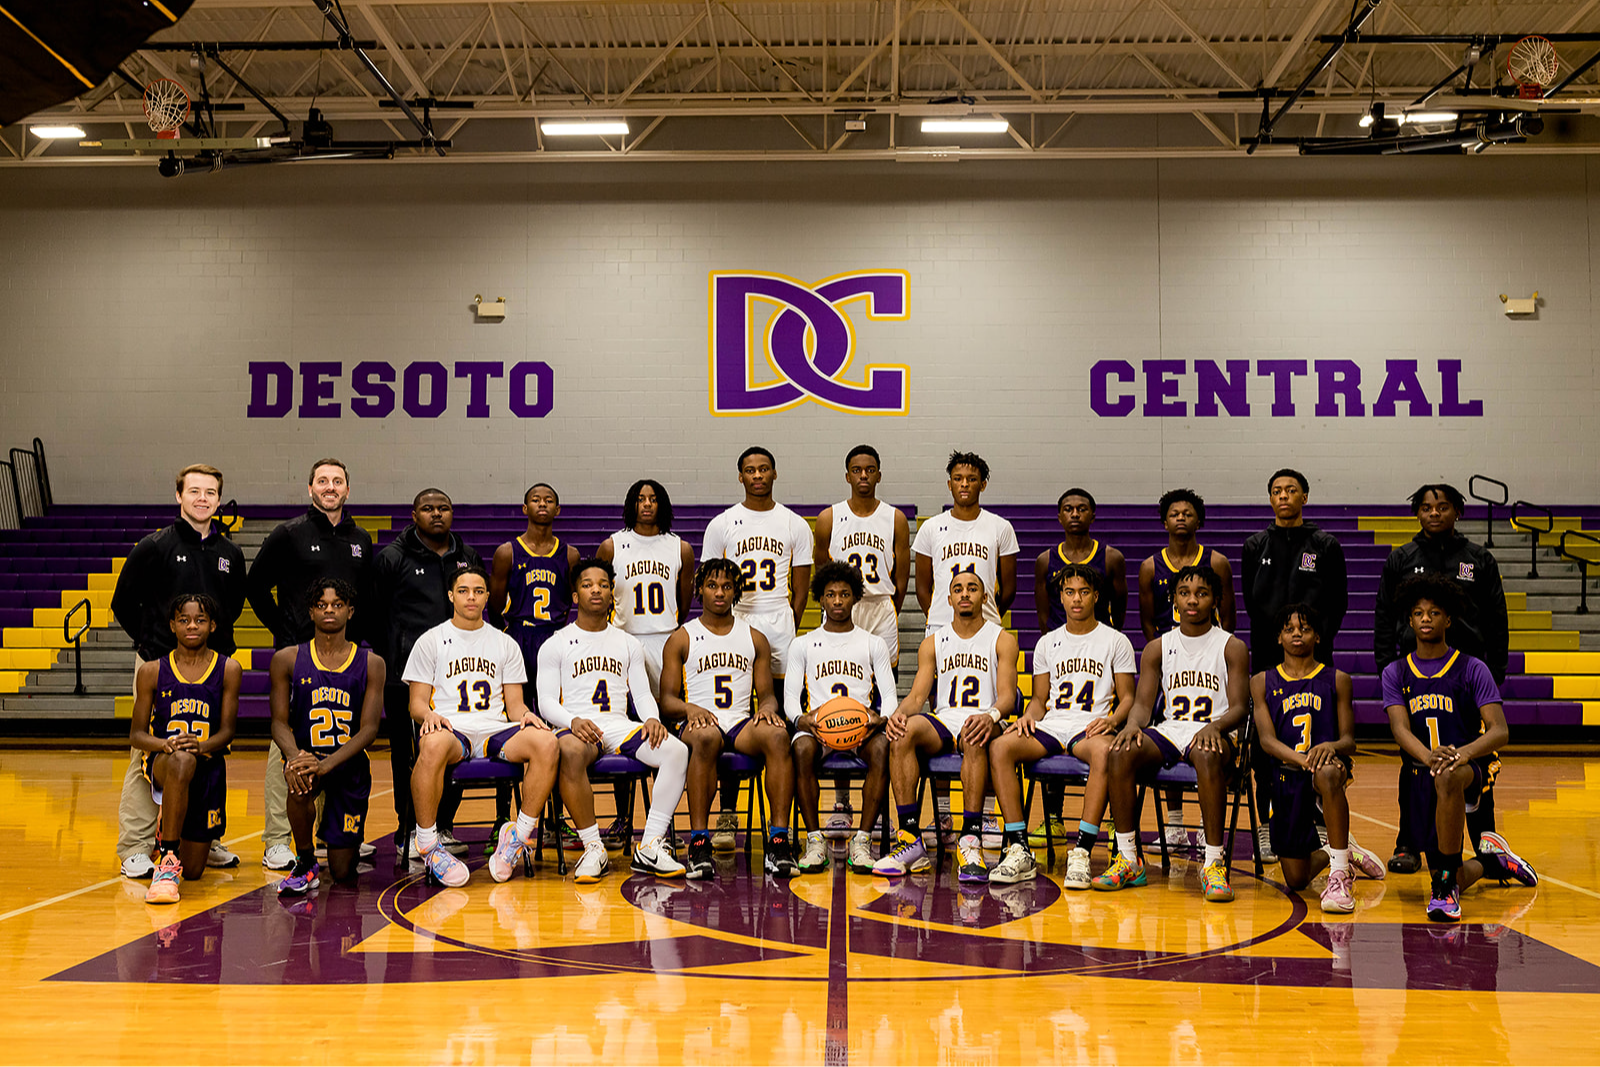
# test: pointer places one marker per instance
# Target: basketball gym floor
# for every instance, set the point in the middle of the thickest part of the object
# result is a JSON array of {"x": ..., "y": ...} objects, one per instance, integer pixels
[{"x": 830, "y": 968}]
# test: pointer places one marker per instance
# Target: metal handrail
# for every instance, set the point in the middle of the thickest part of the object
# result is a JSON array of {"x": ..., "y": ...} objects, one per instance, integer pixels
[
  {"x": 1505, "y": 498},
  {"x": 227, "y": 523},
  {"x": 1583, "y": 566},
  {"x": 29, "y": 489},
  {"x": 1550, "y": 528},
  {"x": 10, "y": 512},
  {"x": 74, "y": 639},
  {"x": 43, "y": 471}
]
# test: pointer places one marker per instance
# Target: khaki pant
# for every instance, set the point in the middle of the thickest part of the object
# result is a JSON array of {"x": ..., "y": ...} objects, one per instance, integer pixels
[
  {"x": 276, "y": 791},
  {"x": 137, "y": 814}
]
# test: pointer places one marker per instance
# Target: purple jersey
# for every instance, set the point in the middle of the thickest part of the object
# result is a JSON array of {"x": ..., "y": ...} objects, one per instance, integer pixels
[
  {"x": 1304, "y": 711},
  {"x": 325, "y": 698},
  {"x": 540, "y": 589},
  {"x": 187, "y": 707},
  {"x": 1166, "y": 615},
  {"x": 1443, "y": 697},
  {"x": 1097, "y": 560}
]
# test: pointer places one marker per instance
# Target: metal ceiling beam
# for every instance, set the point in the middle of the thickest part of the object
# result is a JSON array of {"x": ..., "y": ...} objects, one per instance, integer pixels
[
  {"x": 1297, "y": 42},
  {"x": 1205, "y": 45},
  {"x": 666, "y": 53},
  {"x": 994, "y": 52},
  {"x": 396, "y": 54}
]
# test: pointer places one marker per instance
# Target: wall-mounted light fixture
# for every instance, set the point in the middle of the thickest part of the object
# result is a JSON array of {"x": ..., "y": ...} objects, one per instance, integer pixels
[{"x": 491, "y": 311}]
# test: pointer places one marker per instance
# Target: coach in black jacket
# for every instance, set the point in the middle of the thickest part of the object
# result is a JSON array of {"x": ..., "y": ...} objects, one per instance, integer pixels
[
  {"x": 1292, "y": 562},
  {"x": 410, "y": 580}
]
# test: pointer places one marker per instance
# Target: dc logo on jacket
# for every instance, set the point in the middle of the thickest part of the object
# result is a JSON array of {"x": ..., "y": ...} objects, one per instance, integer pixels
[
  {"x": 1308, "y": 561},
  {"x": 1464, "y": 572}
]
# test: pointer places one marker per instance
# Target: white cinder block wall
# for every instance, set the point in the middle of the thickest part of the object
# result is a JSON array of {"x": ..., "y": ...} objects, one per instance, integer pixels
[{"x": 131, "y": 308}]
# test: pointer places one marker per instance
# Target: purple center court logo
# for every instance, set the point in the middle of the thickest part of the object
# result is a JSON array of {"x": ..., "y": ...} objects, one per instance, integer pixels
[{"x": 805, "y": 344}]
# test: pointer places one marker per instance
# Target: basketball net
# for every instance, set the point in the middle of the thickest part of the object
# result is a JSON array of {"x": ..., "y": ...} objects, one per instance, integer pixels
[
  {"x": 166, "y": 106},
  {"x": 1532, "y": 64}
]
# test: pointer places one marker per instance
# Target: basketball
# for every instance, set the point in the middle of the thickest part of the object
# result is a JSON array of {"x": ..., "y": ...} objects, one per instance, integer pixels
[{"x": 842, "y": 723}]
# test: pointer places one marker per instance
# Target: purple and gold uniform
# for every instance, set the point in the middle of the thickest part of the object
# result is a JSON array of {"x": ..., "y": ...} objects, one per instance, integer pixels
[
  {"x": 540, "y": 592},
  {"x": 193, "y": 708},
  {"x": 1304, "y": 713},
  {"x": 1166, "y": 570},
  {"x": 1442, "y": 698},
  {"x": 1097, "y": 560},
  {"x": 324, "y": 711}
]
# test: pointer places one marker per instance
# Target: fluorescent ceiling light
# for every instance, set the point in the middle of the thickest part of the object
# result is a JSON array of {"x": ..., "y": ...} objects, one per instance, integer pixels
[
  {"x": 965, "y": 125},
  {"x": 52, "y": 132},
  {"x": 581, "y": 129},
  {"x": 1415, "y": 118}
]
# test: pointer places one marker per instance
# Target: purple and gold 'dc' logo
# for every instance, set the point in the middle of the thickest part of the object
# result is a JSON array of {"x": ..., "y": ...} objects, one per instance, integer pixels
[{"x": 807, "y": 343}]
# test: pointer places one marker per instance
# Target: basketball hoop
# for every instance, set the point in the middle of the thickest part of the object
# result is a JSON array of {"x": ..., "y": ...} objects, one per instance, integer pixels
[
  {"x": 166, "y": 106},
  {"x": 1532, "y": 64}
]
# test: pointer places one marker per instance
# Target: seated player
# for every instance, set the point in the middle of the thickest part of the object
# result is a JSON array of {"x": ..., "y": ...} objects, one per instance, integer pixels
[
  {"x": 838, "y": 659},
  {"x": 588, "y": 672},
  {"x": 185, "y": 708},
  {"x": 1083, "y": 682},
  {"x": 327, "y": 705},
  {"x": 713, "y": 669},
  {"x": 966, "y": 668},
  {"x": 1444, "y": 711},
  {"x": 1203, "y": 671},
  {"x": 1307, "y": 727},
  {"x": 466, "y": 681}
]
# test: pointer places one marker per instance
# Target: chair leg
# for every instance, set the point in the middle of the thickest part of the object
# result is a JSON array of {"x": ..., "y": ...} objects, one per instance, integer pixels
[
  {"x": 555, "y": 822},
  {"x": 1138, "y": 817},
  {"x": 1161, "y": 831},
  {"x": 883, "y": 832}
]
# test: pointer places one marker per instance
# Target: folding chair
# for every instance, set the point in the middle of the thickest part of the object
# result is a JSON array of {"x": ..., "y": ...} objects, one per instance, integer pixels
[
  {"x": 606, "y": 770},
  {"x": 847, "y": 766},
  {"x": 1239, "y": 788},
  {"x": 505, "y": 781},
  {"x": 946, "y": 767}
]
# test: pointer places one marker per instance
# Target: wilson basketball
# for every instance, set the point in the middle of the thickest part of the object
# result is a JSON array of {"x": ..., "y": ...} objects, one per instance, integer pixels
[{"x": 842, "y": 723}]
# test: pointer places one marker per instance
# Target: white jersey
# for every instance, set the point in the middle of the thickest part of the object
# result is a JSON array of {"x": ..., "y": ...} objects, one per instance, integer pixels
[
  {"x": 852, "y": 664},
  {"x": 958, "y": 546},
  {"x": 968, "y": 670},
  {"x": 1080, "y": 669},
  {"x": 866, "y": 544},
  {"x": 1194, "y": 676},
  {"x": 468, "y": 670},
  {"x": 590, "y": 674},
  {"x": 647, "y": 570},
  {"x": 765, "y": 545},
  {"x": 719, "y": 670}
]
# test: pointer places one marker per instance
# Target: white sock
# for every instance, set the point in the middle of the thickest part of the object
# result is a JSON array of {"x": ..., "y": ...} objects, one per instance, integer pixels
[
  {"x": 1213, "y": 854},
  {"x": 427, "y": 837},
  {"x": 527, "y": 825},
  {"x": 1125, "y": 846},
  {"x": 590, "y": 836},
  {"x": 1338, "y": 859}
]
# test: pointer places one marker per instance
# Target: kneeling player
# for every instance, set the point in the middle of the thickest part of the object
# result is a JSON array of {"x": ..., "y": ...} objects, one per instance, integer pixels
[
  {"x": 1083, "y": 682},
  {"x": 320, "y": 690},
  {"x": 1307, "y": 724},
  {"x": 185, "y": 707},
  {"x": 1203, "y": 671},
  {"x": 587, "y": 674},
  {"x": 960, "y": 666},
  {"x": 838, "y": 659},
  {"x": 1444, "y": 711},
  {"x": 466, "y": 682},
  {"x": 718, "y": 663}
]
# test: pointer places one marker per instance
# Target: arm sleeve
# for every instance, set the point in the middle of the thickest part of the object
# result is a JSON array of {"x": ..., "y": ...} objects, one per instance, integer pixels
[
  {"x": 261, "y": 583},
  {"x": 1391, "y": 686},
  {"x": 1484, "y": 689},
  {"x": 1122, "y": 660},
  {"x": 1248, "y": 562},
  {"x": 516, "y": 668},
  {"x": 883, "y": 675},
  {"x": 548, "y": 680},
  {"x": 421, "y": 665},
  {"x": 1335, "y": 590},
  {"x": 802, "y": 542},
  {"x": 795, "y": 680},
  {"x": 127, "y": 602},
  {"x": 715, "y": 545},
  {"x": 644, "y": 702}
]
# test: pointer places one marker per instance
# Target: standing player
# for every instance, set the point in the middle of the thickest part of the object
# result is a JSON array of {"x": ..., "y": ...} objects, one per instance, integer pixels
[
  {"x": 530, "y": 582},
  {"x": 1075, "y": 511},
  {"x": 1203, "y": 674},
  {"x": 1308, "y": 731},
  {"x": 185, "y": 707},
  {"x": 965, "y": 539},
  {"x": 466, "y": 682},
  {"x": 1083, "y": 684},
  {"x": 713, "y": 669},
  {"x": 327, "y": 705},
  {"x": 874, "y": 538},
  {"x": 588, "y": 674},
  {"x": 655, "y": 572},
  {"x": 838, "y": 660},
  {"x": 1444, "y": 711},
  {"x": 966, "y": 668}
]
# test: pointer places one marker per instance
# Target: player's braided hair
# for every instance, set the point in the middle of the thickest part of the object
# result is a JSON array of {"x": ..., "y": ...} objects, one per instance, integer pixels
[
  {"x": 341, "y": 589},
  {"x": 715, "y": 567},
  {"x": 207, "y": 605},
  {"x": 1202, "y": 571},
  {"x": 1054, "y": 582}
]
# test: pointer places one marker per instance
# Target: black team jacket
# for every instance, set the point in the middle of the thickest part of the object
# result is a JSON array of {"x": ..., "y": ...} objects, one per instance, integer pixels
[
  {"x": 1484, "y": 631},
  {"x": 176, "y": 560},
  {"x": 1285, "y": 565},
  {"x": 299, "y": 552},
  {"x": 409, "y": 583}
]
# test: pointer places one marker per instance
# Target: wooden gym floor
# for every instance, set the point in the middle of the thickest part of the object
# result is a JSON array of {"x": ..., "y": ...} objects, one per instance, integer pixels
[{"x": 829, "y": 968}]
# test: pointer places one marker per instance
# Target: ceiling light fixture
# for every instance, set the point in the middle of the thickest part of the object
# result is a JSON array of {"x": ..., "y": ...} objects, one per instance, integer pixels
[
  {"x": 582, "y": 129},
  {"x": 56, "y": 132},
  {"x": 965, "y": 125}
]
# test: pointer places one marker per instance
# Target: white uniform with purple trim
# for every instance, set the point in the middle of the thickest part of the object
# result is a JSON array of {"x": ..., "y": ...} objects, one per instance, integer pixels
[
  {"x": 1081, "y": 686},
  {"x": 967, "y": 675},
  {"x": 1194, "y": 681}
]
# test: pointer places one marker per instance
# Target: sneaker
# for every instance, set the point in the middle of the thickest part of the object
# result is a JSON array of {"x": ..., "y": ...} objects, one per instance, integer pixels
[
  {"x": 300, "y": 882},
  {"x": 593, "y": 866},
  {"x": 654, "y": 856},
  {"x": 1056, "y": 828},
  {"x": 1500, "y": 862},
  {"x": 723, "y": 839},
  {"x": 700, "y": 863},
  {"x": 907, "y": 854},
  {"x": 970, "y": 866},
  {"x": 1366, "y": 863},
  {"x": 164, "y": 882},
  {"x": 1077, "y": 876},
  {"x": 220, "y": 857},
  {"x": 1445, "y": 906},
  {"x": 508, "y": 852},
  {"x": 1176, "y": 836},
  {"x": 1336, "y": 896},
  {"x": 993, "y": 832},
  {"x": 1122, "y": 874},
  {"x": 1264, "y": 846},
  {"x": 138, "y": 865},
  {"x": 814, "y": 857},
  {"x": 1214, "y": 881},
  {"x": 1405, "y": 861},
  {"x": 1016, "y": 865},
  {"x": 837, "y": 827},
  {"x": 858, "y": 853},
  {"x": 445, "y": 868},
  {"x": 278, "y": 858},
  {"x": 450, "y": 844},
  {"x": 778, "y": 857}
]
